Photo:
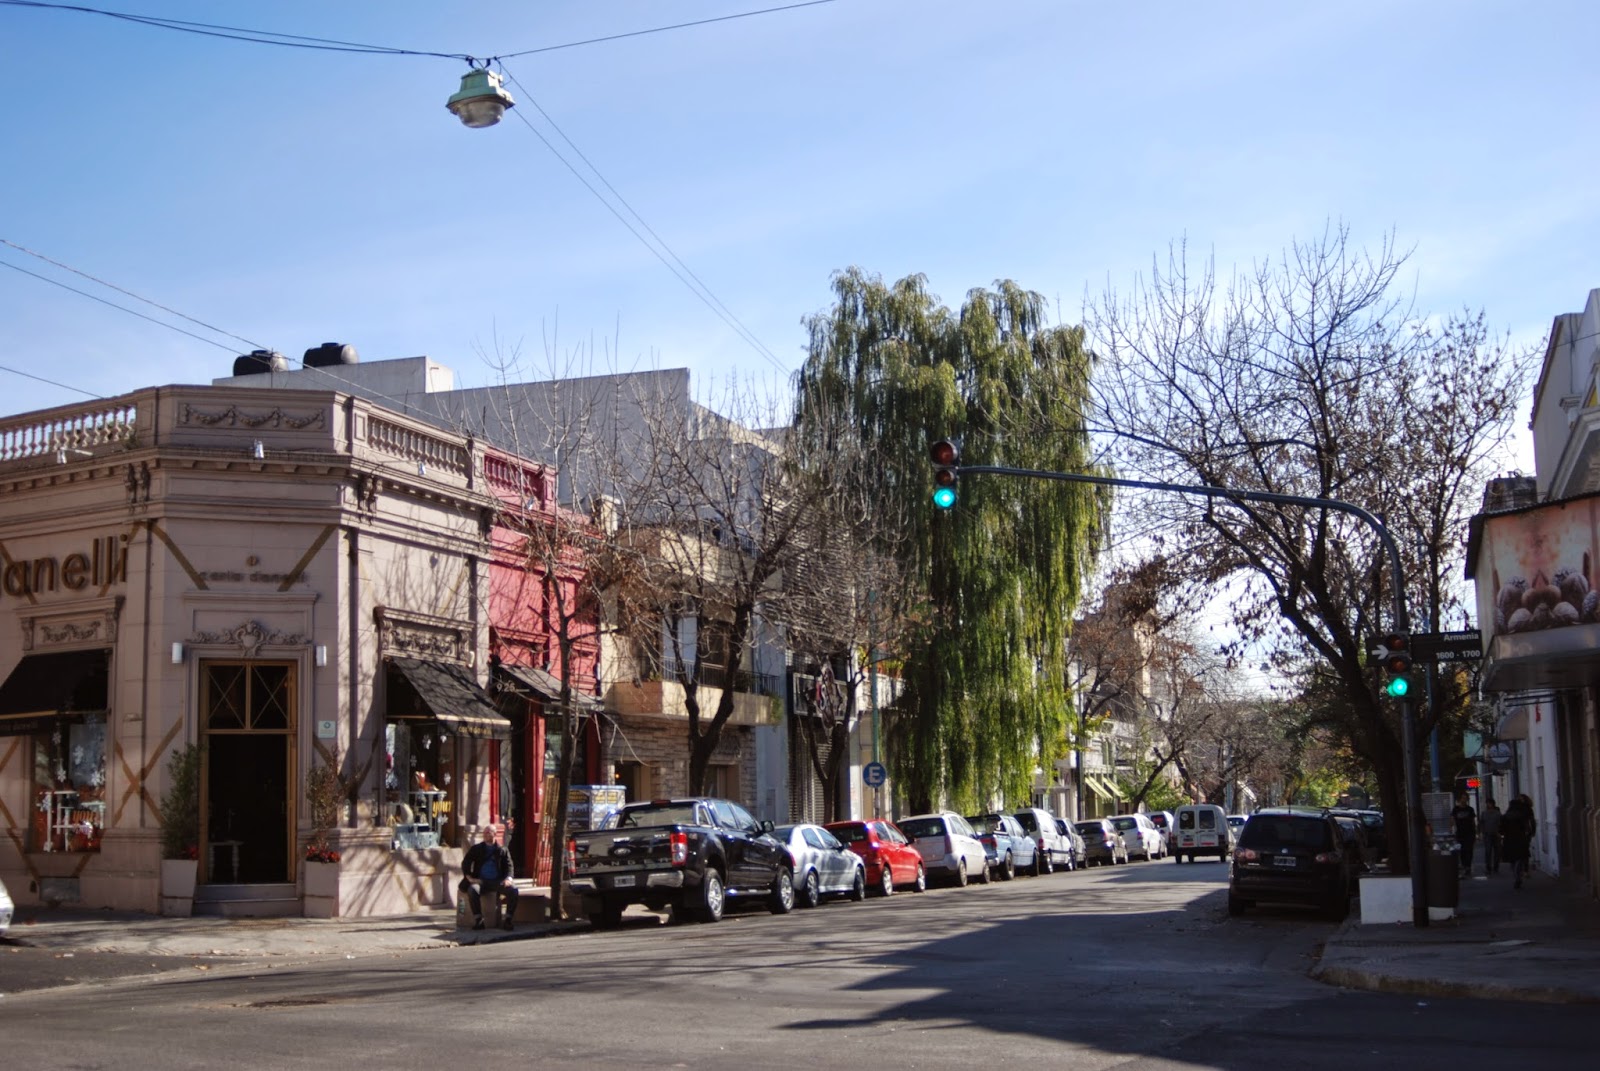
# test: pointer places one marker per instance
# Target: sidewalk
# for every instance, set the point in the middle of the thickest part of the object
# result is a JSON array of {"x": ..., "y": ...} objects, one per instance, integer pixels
[
  {"x": 88, "y": 930},
  {"x": 1538, "y": 943}
]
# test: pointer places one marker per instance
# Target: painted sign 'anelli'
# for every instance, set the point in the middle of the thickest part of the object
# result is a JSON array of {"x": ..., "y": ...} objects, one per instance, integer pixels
[{"x": 105, "y": 564}]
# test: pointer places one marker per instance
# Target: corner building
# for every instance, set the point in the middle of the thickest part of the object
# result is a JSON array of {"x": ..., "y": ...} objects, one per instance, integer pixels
[{"x": 285, "y": 579}]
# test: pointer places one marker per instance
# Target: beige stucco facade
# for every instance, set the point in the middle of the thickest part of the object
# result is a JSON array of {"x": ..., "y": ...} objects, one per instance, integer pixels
[{"x": 227, "y": 548}]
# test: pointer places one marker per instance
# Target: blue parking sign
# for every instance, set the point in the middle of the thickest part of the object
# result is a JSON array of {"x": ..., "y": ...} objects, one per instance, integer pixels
[{"x": 874, "y": 774}]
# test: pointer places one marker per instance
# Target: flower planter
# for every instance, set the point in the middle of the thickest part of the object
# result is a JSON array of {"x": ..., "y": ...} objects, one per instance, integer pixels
[
  {"x": 321, "y": 887},
  {"x": 177, "y": 886}
]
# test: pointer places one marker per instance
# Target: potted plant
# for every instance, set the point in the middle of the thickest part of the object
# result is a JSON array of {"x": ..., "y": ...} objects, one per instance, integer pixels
[
  {"x": 324, "y": 797},
  {"x": 180, "y": 831}
]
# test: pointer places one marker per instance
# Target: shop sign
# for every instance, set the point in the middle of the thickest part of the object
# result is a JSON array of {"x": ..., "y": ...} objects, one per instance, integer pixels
[{"x": 105, "y": 564}]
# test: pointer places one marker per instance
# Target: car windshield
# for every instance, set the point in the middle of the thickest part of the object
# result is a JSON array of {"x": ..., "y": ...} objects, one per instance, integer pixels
[
  {"x": 986, "y": 823},
  {"x": 656, "y": 814},
  {"x": 1160, "y": 820},
  {"x": 851, "y": 834},
  {"x": 922, "y": 827},
  {"x": 1090, "y": 828},
  {"x": 784, "y": 832},
  {"x": 1284, "y": 830},
  {"x": 1029, "y": 822},
  {"x": 1125, "y": 823}
]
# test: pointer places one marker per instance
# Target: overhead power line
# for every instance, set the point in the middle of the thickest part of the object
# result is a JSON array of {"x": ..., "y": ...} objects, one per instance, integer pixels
[
  {"x": 328, "y": 44},
  {"x": 664, "y": 253}
]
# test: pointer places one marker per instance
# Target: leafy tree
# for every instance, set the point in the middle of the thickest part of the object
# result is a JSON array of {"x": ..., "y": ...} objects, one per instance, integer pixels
[
  {"x": 999, "y": 575},
  {"x": 1308, "y": 376}
]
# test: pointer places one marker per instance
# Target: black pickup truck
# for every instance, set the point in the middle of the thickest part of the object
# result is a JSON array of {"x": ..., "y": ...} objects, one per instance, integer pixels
[{"x": 689, "y": 855}]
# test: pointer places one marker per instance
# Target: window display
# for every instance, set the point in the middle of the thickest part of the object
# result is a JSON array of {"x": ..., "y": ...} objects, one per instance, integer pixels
[
  {"x": 69, "y": 781},
  {"x": 419, "y": 769}
]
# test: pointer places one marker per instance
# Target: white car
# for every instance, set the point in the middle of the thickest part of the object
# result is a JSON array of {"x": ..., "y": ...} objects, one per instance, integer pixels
[
  {"x": 1141, "y": 835},
  {"x": 1054, "y": 849},
  {"x": 948, "y": 846},
  {"x": 822, "y": 865},
  {"x": 7, "y": 908}
]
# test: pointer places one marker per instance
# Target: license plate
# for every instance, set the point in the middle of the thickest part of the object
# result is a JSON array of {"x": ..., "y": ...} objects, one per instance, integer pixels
[
  {"x": 1209, "y": 841},
  {"x": 623, "y": 881},
  {"x": 1285, "y": 861}
]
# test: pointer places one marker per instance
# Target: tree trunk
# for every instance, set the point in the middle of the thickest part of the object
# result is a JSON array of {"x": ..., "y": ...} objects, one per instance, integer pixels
[{"x": 558, "y": 836}]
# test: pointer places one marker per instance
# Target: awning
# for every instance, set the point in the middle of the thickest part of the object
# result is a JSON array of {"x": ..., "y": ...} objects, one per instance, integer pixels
[
  {"x": 1098, "y": 787},
  {"x": 444, "y": 692},
  {"x": 43, "y": 689},
  {"x": 544, "y": 684}
]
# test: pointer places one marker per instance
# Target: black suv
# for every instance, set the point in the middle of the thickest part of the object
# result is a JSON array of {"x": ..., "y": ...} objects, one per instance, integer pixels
[{"x": 1292, "y": 856}]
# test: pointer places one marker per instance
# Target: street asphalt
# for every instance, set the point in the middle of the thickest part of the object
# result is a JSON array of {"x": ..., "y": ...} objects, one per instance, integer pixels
[{"x": 1539, "y": 943}]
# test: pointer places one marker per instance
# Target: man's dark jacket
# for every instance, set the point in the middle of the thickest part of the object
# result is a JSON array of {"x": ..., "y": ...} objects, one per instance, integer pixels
[{"x": 479, "y": 854}]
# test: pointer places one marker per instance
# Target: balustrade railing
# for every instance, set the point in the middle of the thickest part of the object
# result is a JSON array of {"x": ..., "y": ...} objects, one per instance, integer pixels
[
  {"x": 84, "y": 429},
  {"x": 416, "y": 446}
]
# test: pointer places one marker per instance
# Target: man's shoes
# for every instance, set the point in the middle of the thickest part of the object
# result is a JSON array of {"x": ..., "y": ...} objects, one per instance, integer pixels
[
  {"x": 478, "y": 925},
  {"x": 506, "y": 925}
]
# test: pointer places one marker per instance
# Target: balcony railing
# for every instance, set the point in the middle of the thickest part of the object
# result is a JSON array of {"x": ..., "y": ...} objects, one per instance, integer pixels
[{"x": 718, "y": 677}]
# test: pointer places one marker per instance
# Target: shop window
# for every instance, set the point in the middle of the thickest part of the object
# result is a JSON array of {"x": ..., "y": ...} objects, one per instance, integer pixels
[
  {"x": 69, "y": 782},
  {"x": 419, "y": 783}
]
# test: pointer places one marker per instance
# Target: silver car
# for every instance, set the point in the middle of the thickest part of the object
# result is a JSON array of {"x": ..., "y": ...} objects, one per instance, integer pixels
[
  {"x": 1054, "y": 848},
  {"x": 822, "y": 865}
]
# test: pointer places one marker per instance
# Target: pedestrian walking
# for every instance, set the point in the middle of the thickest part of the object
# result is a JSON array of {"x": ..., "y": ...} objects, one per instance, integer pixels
[
  {"x": 1489, "y": 833},
  {"x": 1516, "y": 838},
  {"x": 1466, "y": 820}
]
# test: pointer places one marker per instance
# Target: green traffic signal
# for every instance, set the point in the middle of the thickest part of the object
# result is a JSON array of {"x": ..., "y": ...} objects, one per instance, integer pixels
[
  {"x": 944, "y": 497},
  {"x": 1397, "y": 687}
]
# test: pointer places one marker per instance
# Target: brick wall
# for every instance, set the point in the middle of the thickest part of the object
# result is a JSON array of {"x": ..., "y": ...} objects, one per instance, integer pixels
[{"x": 663, "y": 748}]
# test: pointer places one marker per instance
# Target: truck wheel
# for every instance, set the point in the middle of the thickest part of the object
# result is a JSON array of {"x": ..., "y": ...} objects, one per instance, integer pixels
[
  {"x": 713, "y": 897},
  {"x": 781, "y": 900},
  {"x": 607, "y": 917},
  {"x": 1008, "y": 868},
  {"x": 988, "y": 875}
]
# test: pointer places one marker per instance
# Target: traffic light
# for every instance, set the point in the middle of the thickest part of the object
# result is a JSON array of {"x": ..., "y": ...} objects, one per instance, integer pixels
[
  {"x": 1394, "y": 657},
  {"x": 946, "y": 462}
]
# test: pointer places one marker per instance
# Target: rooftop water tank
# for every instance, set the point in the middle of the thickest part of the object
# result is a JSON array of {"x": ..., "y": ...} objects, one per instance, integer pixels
[
  {"x": 331, "y": 353},
  {"x": 257, "y": 361}
]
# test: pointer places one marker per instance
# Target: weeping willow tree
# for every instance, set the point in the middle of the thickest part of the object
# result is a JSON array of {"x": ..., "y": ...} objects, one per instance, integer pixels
[{"x": 992, "y": 583}]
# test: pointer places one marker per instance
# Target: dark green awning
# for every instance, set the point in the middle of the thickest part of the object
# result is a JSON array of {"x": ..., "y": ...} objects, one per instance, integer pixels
[
  {"x": 445, "y": 692},
  {"x": 45, "y": 689}
]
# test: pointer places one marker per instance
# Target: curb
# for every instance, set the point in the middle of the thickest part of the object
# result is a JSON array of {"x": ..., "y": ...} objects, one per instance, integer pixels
[{"x": 1373, "y": 981}]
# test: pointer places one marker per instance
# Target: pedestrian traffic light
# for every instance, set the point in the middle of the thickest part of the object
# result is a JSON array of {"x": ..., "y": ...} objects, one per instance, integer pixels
[
  {"x": 946, "y": 463},
  {"x": 1394, "y": 657}
]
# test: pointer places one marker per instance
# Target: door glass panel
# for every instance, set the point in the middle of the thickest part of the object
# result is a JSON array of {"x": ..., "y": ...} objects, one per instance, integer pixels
[
  {"x": 225, "y": 696},
  {"x": 269, "y": 697}
]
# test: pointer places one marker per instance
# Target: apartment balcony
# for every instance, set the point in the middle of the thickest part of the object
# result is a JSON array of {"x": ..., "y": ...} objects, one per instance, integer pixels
[{"x": 757, "y": 697}]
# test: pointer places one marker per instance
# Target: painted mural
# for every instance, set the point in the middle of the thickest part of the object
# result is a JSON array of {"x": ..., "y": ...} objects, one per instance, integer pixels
[{"x": 1540, "y": 568}]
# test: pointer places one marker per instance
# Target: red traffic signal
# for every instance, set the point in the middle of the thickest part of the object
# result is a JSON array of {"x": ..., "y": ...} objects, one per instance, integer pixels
[{"x": 1395, "y": 656}]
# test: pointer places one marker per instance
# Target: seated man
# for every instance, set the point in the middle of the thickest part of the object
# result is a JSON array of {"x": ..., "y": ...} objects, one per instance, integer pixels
[{"x": 489, "y": 864}]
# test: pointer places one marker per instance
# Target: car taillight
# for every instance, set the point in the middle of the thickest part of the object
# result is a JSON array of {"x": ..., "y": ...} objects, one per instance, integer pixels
[
  {"x": 948, "y": 847},
  {"x": 1327, "y": 857},
  {"x": 680, "y": 848},
  {"x": 1041, "y": 844},
  {"x": 1248, "y": 855}
]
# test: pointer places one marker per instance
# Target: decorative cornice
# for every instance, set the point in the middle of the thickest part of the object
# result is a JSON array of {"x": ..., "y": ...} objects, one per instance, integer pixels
[
  {"x": 422, "y": 636},
  {"x": 250, "y": 636},
  {"x": 233, "y": 416},
  {"x": 81, "y": 625}
]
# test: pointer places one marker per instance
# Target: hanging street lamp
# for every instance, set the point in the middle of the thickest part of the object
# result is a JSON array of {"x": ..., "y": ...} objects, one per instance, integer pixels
[{"x": 480, "y": 101}]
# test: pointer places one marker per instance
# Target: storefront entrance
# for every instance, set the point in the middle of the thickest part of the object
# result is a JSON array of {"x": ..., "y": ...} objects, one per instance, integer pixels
[{"x": 247, "y": 811}]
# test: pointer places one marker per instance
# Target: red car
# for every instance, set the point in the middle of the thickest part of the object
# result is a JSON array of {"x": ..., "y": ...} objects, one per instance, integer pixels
[{"x": 891, "y": 859}]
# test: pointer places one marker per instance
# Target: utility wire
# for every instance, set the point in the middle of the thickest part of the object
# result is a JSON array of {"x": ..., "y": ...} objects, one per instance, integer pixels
[
  {"x": 114, "y": 305},
  {"x": 687, "y": 276},
  {"x": 129, "y": 293},
  {"x": 326, "y": 44},
  {"x": 53, "y": 383}
]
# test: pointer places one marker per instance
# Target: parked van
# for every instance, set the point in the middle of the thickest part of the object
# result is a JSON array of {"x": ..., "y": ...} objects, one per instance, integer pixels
[{"x": 1201, "y": 829}]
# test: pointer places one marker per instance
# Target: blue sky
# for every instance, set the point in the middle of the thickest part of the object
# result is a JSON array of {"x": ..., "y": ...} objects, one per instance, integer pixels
[{"x": 295, "y": 197}]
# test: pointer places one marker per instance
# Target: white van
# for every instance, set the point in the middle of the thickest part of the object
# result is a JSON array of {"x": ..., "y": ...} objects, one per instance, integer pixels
[{"x": 1201, "y": 829}]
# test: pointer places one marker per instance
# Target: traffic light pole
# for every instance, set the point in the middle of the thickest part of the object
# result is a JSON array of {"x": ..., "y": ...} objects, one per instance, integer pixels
[{"x": 1397, "y": 594}]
